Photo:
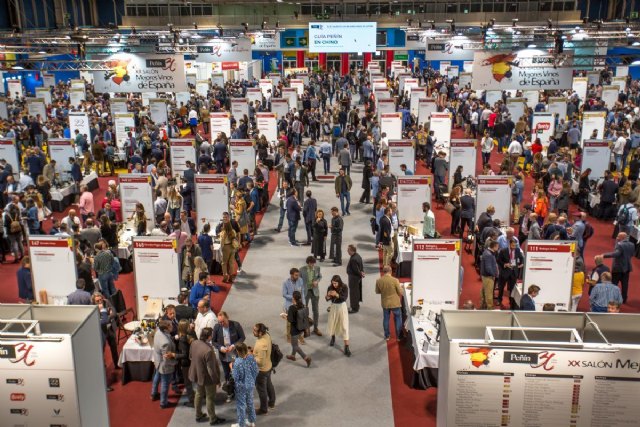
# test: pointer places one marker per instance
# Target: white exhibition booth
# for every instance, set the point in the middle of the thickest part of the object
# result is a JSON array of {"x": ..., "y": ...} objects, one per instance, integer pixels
[
  {"x": 181, "y": 151},
  {"x": 543, "y": 127},
  {"x": 462, "y": 152},
  {"x": 592, "y": 120},
  {"x": 580, "y": 86},
  {"x": 516, "y": 108},
  {"x": 411, "y": 193},
  {"x": 239, "y": 108},
  {"x": 441, "y": 127},
  {"x": 391, "y": 124},
  {"x": 136, "y": 188},
  {"x": 212, "y": 199},
  {"x": 426, "y": 107},
  {"x": 254, "y": 94},
  {"x": 386, "y": 106},
  {"x": 9, "y": 152},
  {"x": 280, "y": 107},
  {"x": 61, "y": 150},
  {"x": 494, "y": 190},
  {"x": 52, "y": 257},
  {"x": 401, "y": 152},
  {"x": 596, "y": 155},
  {"x": 124, "y": 123},
  {"x": 267, "y": 124},
  {"x": 220, "y": 123},
  {"x": 290, "y": 94},
  {"x": 243, "y": 152},
  {"x": 417, "y": 93}
]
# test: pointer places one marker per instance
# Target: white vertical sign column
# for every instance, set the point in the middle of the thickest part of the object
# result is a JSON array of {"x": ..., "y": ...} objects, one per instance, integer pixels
[
  {"x": 136, "y": 188},
  {"x": 413, "y": 191},
  {"x": 212, "y": 199},
  {"x": 401, "y": 152},
  {"x": 52, "y": 257},
  {"x": 436, "y": 259},
  {"x": 462, "y": 152},
  {"x": 494, "y": 190},
  {"x": 9, "y": 152},
  {"x": 243, "y": 152},
  {"x": 181, "y": 151},
  {"x": 391, "y": 124},
  {"x": 596, "y": 154}
]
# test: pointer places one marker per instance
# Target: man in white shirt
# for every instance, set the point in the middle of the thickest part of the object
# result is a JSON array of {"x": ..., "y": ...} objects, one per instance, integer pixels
[
  {"x": 618, "y": 150},
  {"x": 205, "y": 317}
]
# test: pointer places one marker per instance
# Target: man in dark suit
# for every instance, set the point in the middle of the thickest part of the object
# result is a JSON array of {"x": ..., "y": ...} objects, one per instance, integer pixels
[
  {"x": 220, "y": 156},
  {"x": 187, "y": 224},
  {"x": 526, "y": 302},
  {"x": 621, "y": 266},
  {"x": 467, "y": 211},
  {"x": 337, "y": 225},
  {"x": 227, "y": 334},
  {"x": 184, "y": 310},
  {"x": 190, "y": 178},
  {"x": 510, "y": 260},
  {"x": 309, "y": 214},
  {"x": 386, "y": 237},
  {"x": 293, "y": 217},
  {"x": 355, "y": 273},
  {"x": 204, "y": 373}
]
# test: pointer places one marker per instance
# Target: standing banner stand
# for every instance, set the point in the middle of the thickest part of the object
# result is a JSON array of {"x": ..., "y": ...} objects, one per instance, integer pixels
[
  {"x": 558, "y": 106},
  {"x": 435, "y": 259},
  {"x": 53, "y": 268},
  {"x": 543, "y": 127},
  {"x": 76, "y": 96},
  {"x": 243, "y": 152},
  {"x": 462, "y": 153},
  {"x": 516, "y": 108},
  {"x": 267, "y": 124},
  {"x": 61, "y": 150},
  {"x": 593, "y": 77},
  {"x": 217, "y": 79},
  {"x": 381, "y": 91},
  {"x": 265, "y": 85},
  {"x": 464, "y": 79},
  {"x": 239, "y": 108},
  {"x": 292, "y": 95},
  {"x": 279, "y": 107},
  {"x": 386, "y": 106},
  {"x": 411, "y": 84},
  {"x": 444, "y": 67},
  {"x": 124, "y": 123},
  {"x": 14, "y": 88},
  {"x": 401, "y": 152},
  {"x": 441, "y": 127},
  {"x": 622, "y": 71},
  {"x": 493, "y": 96},
  {"x": 49, "y": 80},
  {"x": 156, "y": 268},
  {"x": 610, "y": 95},
  {"x": 275, "y": 78},
  {"x": 621, "y": 82},
  {"x": 254, "y": 95},
  {"x": 298, "y": 85},
  {"x": 549, "y": 265},
  {"x": 580, "y": 87},
  {"x": 52, "y": 369},
  {"x": 158, "y": 110},
  {"x": 412, "y": 192},
  {"x": 119, "y": 105},
  {"x": 146, "y": 96},
  {"x": 9, "y": 152},
  {"x": 426, "y": 107},
  {"x": 79, "y": 121},
  {"x": 494, "y": 190},
  {"x": 417, "y": 93},
  {"x": 595, "y": 156},
  {"x": 35, "y": 107},
  {"x": 136, "y": 188},
  {"x": 391, "y": 124},
  {"x": 212, "y": 199},
  {"x": 4, "y": 110},
  {"x": 44, "y": 93},
  {"x": 182, "y": 150},
  {"x": 219, "y": 122},
  {"x": 182, "y": 98},
  {"x": 592, "y": 120}
]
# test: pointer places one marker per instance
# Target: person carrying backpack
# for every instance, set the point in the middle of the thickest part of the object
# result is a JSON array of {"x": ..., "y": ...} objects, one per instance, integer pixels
[
  {"x": 263, "y": 351},
  {"x": 626, "y": 217},
  {"x": 298, "y": 317}
]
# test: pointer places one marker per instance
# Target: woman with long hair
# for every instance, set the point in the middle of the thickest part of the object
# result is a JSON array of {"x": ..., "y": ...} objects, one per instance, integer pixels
[
  {"x": 337, "y": 294},
  {"x": 229, "y": 244},
  {"x": 554, "y": 189},
  {"x": 185, "y": 338},
  {"x": 297, "y": 316},
  {"x": 174, "y": 203},
  {"x": 457, "y": 176},
  {"x": 320, "y": 231},
  {"x": 541, "y": 206},
  {"x": 109, "y": 231},
  {"x": 454, "y": 199},
  {"x": 241, "y": 215},
  {"x": 140, "y": 220},
  {"x": 199, "y": 266}
]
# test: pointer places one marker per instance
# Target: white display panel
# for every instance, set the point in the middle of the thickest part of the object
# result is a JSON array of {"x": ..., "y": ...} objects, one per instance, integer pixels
[
  {"x": 436, "y": 259},
  {"x": 9, "y": 152},
  {"x": 304, "y": 76},
  {"x": 202, "y": 87},
  {"x": 141, "y": 73},
  {"x": 280, "y": 107},
  {"x": 265, "y": 85},
  {"x": 275, "y": 78},
  {"x": 417, "y": 94},
  {"x": 52, "y": 257},
  {"x": 119, "y": 105},
  {"x": 36, "y": 107},
  {"x": 412, "y": 192},
  {"x": 494, "y": 190},
  {"x": 217, "y": 79},
  {"x": 146, "y": 96},
  {"x": 426, "y": 107},
  {"x": 595, "y": 156},
  {"x": 593, "y": 77},
  {"x": 181, "y": 98},
  {"x": 124, "y": 123},
  {"x": 14, "y": 88},
  {"x": 157, "y": 270},
  {"x": 158, "y": 110},
  {"x": 292, "y": 95},
  {"x": 543, "y": 127},
  {"x": 592, "y": 120},
  {"x": 212, "y": 199},
  {"x": 444, "y": 67},
  {"x": 341, "y": 37},
  {"x": 50, "y": 80},
  {"x": 558, "y": 106},
  {"x": 267, "y": 124},
  {"x": 220, "y": 122},
  {"x": 453, "y": 71},
  {"x": 549, "y": 265},
  {"x": 44, "y": 93},
  {"x": 531, "y": 97},
  {"x": 467, "y": 66},
  {"x": 493, "y": 96},
  {"x": 580, "y": 87},
  {"x": 462, "y": 152},
  {"x": 516, "y": 108},
  {"x": 464, "y": 79},
  {"x": 61, "y": 150},
  {"x": 78, "y": 84},
  {"x": 136, "y": 188},
  {"x": 401, "y": 152},
  {"x": 79, "y": 121},
  {"x": 622, "y": 71},
  {"x": 386, "y": 106},
  {"x": 298, "y": 85},
  {"x": 254, "y": 95},
  {"x": 181, "y": 151},
  {"x": 243, "y": 152},
  {"x": 621, "y": 82},
  {"x": 4, "y": 110},
  {"x": 610, "y": 95},
  {"x": 391, "y": 124},
  {"x": 77, "y": 96},
  {"x": 410, "y": 84},
  {"x": 441, "y": 127},
  {"x": 402, "y": 76},
  {"x": 239, "y": 108}
]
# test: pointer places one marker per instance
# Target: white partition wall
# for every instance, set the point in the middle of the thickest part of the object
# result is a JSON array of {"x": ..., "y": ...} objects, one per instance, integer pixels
[
  {"x": 254, "y": 95},
  {"x": 181, "y": 151},
  {"x": 267, "y": 124},
  {"x": 516, "y": 108},
  {"x": 158, "y": 110},
  {"x": 124, "y": 123},
  {"x": 79, "y": 121},
  {"x": 493, "y": 96},
  {"x": 44, "y": 93},
  {"x": 298, "y": 85},
  {"x": 391, "y": 124},
  {"x": 441, "y": 127},
  {"x": 412, "y": 192},
  {"x": 436, "y": 258},
  {"x": 119, "y": 105},
  {"x": 61, "y": 150},
  {"x": 543, "y": 127},
  {"x": 53, "y": 268},
  {"x": 531, "y": 97},
  {"x": 243, "y": 152},
  {"x": 279, "y": 107},
  {"x": 558, "y": 106},
  {"x": 610, "y": 95},
  {"x": 462, "y": 152},
  {"x": 220, "y": 122},
  {"x": 239, "y": 108},
  {"x": 592, "y": 120},
  {"x": 212, "y": 199},
  {"x": 494, "y": 190},
  {"x": 596, "y": 154},
  {"x": 136, "y": 188},
  {"x": 157, "y": 271},
  {"x": 9, "y": 152},
  {"x": 417, "y": 93},
  {"x": 36, "y": 107},
  {"x": 385, "y": 106},
  {"x": 549, "y": 265},
  {"x": 401, "y": 152},
  {"x": 426, "y": 107},
  {"x": 292, "y": 95}
]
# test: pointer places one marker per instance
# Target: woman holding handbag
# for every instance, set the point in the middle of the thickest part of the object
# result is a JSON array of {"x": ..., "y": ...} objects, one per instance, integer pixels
[
  {"x": 320, "y": 230},
  {"x": 298, "y": 317},
  {"x": 229, "y": 245},
  {"x": 337, "y": 294}
]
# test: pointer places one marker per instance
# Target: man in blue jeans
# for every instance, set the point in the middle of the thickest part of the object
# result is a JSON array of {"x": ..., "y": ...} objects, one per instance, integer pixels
[
  {"x": 293, "y": 217},
  {"x": 343, "y": 185},
  {"x": 390, "y": 293},
  {"x": 103, "y": 265}
]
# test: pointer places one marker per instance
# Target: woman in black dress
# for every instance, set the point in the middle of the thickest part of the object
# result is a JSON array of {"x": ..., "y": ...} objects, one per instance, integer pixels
[{"x": 318, "y": 246}]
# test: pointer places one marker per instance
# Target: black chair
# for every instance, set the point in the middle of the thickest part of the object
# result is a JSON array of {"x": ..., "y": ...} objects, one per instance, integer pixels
[{"x": 119, "y": 304}]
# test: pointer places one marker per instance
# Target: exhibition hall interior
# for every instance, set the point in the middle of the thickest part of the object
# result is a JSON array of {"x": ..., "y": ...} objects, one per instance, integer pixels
[{"x": 320, "y": 213}]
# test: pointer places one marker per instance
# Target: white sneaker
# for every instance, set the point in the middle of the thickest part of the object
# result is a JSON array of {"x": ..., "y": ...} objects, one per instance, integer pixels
[
  {"x": 251, "y": 424},
  {"x": 235, "y": 425}
]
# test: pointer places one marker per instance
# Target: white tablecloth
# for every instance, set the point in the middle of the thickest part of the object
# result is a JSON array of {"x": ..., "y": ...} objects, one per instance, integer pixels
[
  {"x": 426, "y": 351},
  {"x": 594, "y": 199},
  {"x": 59, "y": 193},
  {"x": 134, "y": 352},
  {"x": 125, "y": 243}
]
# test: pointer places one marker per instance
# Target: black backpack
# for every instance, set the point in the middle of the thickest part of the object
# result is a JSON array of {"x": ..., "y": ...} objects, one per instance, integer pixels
[
  {"x": 302, "y": 318},
  {"x": 623, "y": 216},
  {"x": 276, "y": 356},
  {"x": 588, "y": 231}
]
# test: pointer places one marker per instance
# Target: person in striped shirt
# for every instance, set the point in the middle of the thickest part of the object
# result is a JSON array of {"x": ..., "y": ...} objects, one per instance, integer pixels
[{"x": 603, "y": 293}]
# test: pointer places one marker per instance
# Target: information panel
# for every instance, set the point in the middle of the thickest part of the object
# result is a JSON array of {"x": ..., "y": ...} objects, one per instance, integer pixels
[
  {"x": 298, "y": 85},
  {"x": 119, "y": 105},
  {"x": 341, "y": 37},
  {"x": 220, "y": 122},
  {"x": 254, "y": 95},
  {"x": 401, "y": 152},
  {"x": 157, "y": 270},
  {"x": 61, "y": 150},
  {"x": 592, "y": 120},
  {"x": 243, "y": 152},
  {"x": 580, "y": 87},
  {"x": 595, "y": 156},
  {"x": 77, "y": 96},
  {"x": 610, "y": 95},
  {"x": 267, "y": 124},
  {"x": 426, "y": 107},
  {"x": 436, "y": 259},
  {"x": 413, "y": 191},
  {"x": 124, "y": 124},
  {"x": 462, "y": 152},
  {"x": 516, "y": 108},
  {"x": 280, "y": 107},
  {"x": 558, "y": 106},
  {"x": 494, "y": 190},
  {"x": 52, "y": 257},
  {"x": 386, "y": 106},
  {"x": 291, "y": 94},
  {"x": 44, "y": 93},
  {"x": 265, "y": 86},
  {"x": 182, "y": 150},
  {"x": 212, "y": 199},
  {"x": 36, "y": 107},
  {"x": 391, "y": 124},
  {"x": 136, "y": 188},
  {"x": 493, "y": 96},
  {"x": 417, "y": 93},
  {"x": 9, "y": 152},
  {"x": 239, "y": 108},
  {"x": 158, "y": 110},
  {"x": 549, "y": 265},
  {"x": 79, "y": 121},
  {"x": 543, "y": 127},
  {"x": 441, "y": 127}
]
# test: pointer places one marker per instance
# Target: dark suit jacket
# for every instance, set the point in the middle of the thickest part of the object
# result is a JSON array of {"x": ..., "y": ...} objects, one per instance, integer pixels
[
  {"x": 219, "y": 151},
  {"x": 468, "y": 206},
  {"x": 621, "y": 255},
  {"x": 236, "y": 336},
  {"x": 354, "y": 266},
  {"x": 192, "y": 225},
  {"x": 185, "y": 312},
  {"x": 204, "y": 369},
  {"x": 504, "y": 258},
  {"x": 385, "y": 230},
  {"x": 293, "y": 209},
  {"x": 527, "y": 304},
  {"x": 309, "y": 209}
]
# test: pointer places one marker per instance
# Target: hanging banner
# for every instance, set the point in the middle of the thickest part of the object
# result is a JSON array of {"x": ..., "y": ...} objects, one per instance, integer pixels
[
  {"x": 292, "y": 95},
  {"x": 456, "y": 49},
  {"x": 549, "y": 265},
  {"x": 158, "y": 110},
  {"x": 435, "y": 259},
  {"x": 621, "y": 82},
  {"x": 444, "y": 67},
  {"x": 462, "y": 152},
  {"x": 596, "y": 155},
  {"x": 181, "y": 151},
  {"x": 265, "y": 41},
  {"x": 516, "y": 108},
  {"x": 119, "y": 105},
  {"x": 225, "y": 50},
  {"x": 543, "y": 127},
  {"x": 298, "y": 85},
  {"x": 243, "y": 152},
  {"x": 217, "y": 79},
  {"x": 493, "y": 96},
  {"x": 401, "y": 152},
  {"x": 254, "y": 94},
  {"x": 136, "y": 188},
  {"x": 212, "y": 199},
  {"x": 417, "y": 93},
  {"x": 518, "y": 70},
  {"x": 265, "y": 86},
  {"x": 610, "y": 95},
  {"x": 50, "y": 80},
  {"x": 579, "y": 86},
  {"x": 61, "y": 150},
  {"x": 77, "y": 96},
  {"x": 80, "y": 122},
  {"x": 558, "y": 106},
  {"x": 412, "y": 192},
  {"x": 592, "y": 121},
  {"x": 280, "y": 107},
  {"x": 9, "y": 152},
  {"x": 44, "y": 93},
  {"x": 464, "y": 79},
  {"x": 157, "y": 273},
  {"x": 239, "y": 108},
  {"x": 202, "y": 87},
  {"x": 391, "y": 124},
  {"x": 441, "y": 127},
  {"x": 14, "y": 88},
  {"x": 220, "y": 122},
  {"x": 494, "y": 190},
  {"x": 327, "y": 36},
  {"x": 36, "y": 107},
  {"x": 267, "y": 124},
  {"x": 426, "y": 107},
  {"x": 124, "y": 123},
  {"x": 52, "y": 256},
  {"x": 141, "y": 73},
  {"x": 386, "y": 106},
  {"x": 226, "y": 66}
]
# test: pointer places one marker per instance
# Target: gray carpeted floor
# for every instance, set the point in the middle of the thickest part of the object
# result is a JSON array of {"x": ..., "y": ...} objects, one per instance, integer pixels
[{"x": 336, "y": 390}]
